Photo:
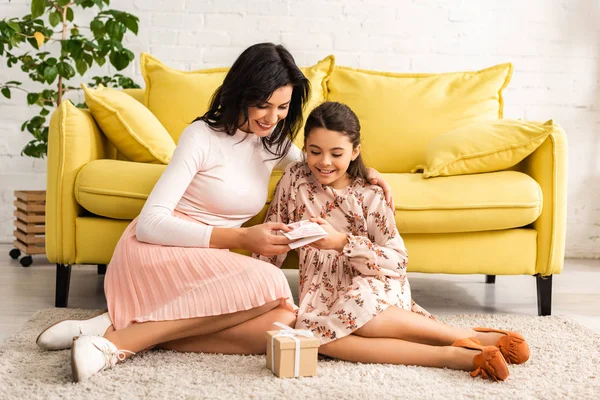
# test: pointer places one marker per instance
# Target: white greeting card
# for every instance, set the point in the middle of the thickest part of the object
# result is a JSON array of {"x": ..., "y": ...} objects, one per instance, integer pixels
[{"x": 303, "y": 233}]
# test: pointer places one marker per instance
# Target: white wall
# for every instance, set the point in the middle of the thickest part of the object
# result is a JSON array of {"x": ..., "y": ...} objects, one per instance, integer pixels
[{"x": 554, "y": 45}]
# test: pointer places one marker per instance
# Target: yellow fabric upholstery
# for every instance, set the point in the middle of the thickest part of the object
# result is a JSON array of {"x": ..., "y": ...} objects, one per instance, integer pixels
[
  {"x": 453, "y": 253},
  {"x": 509, "y": 252},
  {"x": 400, "y": 113},
  {"x": 505, "y": 222},
  {"x": 74, "y": 140},
  {"x": 548, "y": 166},
  {"x": 138, "y": 94},
  {"x": 130, "y": 126},
  {"x": 116, "y": 189},
  {"x": 178, "y": 97},
  {"x": 483, "y": 146},
  {"x": 469, "y": 203},
  {"x": 97, "y": 238}
]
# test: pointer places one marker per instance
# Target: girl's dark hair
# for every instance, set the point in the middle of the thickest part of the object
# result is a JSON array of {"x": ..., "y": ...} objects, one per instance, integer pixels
[
  {"x": 339, "y": 117},
  {"x": 254, "y": 76}
]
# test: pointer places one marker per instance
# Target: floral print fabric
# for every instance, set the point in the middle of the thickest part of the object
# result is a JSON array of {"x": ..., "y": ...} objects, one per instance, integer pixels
[{"x": 340, "y": 292}]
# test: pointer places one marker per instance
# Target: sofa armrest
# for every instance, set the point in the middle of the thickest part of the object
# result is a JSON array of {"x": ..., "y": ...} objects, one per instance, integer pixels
[
  {"x": 548, "y": 166},
  {"x": 74, "y": 140}
]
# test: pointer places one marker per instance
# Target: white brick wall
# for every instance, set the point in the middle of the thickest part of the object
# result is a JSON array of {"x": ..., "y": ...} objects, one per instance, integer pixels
[{"x": 554, "y": 45}]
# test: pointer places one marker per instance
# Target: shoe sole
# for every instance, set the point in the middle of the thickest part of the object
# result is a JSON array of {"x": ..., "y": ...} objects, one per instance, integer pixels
[{"x": 74, "y": 373}]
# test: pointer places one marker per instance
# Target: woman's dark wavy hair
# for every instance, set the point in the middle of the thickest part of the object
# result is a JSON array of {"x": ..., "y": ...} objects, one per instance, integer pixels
[
  {"x": 339, "y": 117},
  {"x": 254, "y": 76}
]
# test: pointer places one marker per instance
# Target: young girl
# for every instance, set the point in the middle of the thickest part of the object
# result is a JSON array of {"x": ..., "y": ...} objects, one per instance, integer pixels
[{"x": 354, "y": 292}]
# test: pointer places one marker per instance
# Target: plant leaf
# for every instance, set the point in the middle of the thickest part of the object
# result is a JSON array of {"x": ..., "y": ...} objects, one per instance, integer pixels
[
  {"x": 55, "y": 18},
  {"x": 81, "y": 66},
  {"x": 14, "y": 26},
  {"x": 70, "y": 14},
  {"x": 39, "y": 38},
  {"x": 97, "y": 28},
  {"x": 100, "y": 60},
  {"x": 37, "y": 8},
  {"x": 119, "y": 60},
  {"x": 132, "y": 24},
  {"x": 6, "y": 92},
  {"x": 32, "y": 98},
  {"x": 65, "y": 70},
  {"x": 50, "y": 73}
]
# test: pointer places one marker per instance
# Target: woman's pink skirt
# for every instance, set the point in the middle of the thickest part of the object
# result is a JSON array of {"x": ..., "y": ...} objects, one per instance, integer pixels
[{"x": 149, "y": 282}]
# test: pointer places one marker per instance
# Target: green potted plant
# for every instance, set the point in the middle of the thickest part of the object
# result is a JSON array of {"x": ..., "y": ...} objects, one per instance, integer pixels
[{"x": 54, "y": 51}]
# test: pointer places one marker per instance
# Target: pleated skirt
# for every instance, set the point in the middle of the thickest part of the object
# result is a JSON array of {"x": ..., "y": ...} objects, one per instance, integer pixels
[{"x": 149, "y": 282}]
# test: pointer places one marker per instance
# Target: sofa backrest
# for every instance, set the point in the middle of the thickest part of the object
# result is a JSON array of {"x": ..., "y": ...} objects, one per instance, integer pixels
[
  {"x": 137, "y": 94},
  {"x": 401, "y": 113}
]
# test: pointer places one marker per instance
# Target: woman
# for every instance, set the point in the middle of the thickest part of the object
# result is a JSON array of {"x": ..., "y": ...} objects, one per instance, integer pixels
[{"x": 172, "y": 283}]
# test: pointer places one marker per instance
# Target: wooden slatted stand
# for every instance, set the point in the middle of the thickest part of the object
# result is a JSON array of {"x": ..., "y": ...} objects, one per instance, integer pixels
[{"x": 30, "y": 225}]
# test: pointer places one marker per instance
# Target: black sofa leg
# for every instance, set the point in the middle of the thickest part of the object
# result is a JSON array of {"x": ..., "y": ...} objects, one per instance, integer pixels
[
  {"x": 101, "y": 269},
  {"x": 63, "y": 279},
  {"x": 490, "y": 279},
  {"x": 544, "y": 294}
]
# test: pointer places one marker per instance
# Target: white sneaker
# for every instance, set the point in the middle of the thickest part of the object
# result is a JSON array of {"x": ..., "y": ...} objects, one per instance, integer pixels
[
  {"x": 60, "y": 335},
  {"x": 92, "y": 354}
]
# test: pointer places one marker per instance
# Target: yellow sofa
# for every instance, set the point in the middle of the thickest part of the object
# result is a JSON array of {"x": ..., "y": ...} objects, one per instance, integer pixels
[{"x": 504, "y": 222}]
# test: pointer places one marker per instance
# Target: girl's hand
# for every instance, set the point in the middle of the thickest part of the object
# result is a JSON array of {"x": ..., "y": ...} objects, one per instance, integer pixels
[
  {"x": 263, "y": 239},
  {"x": 375, "y": 178},
  {"x": 335, "y": 240}
]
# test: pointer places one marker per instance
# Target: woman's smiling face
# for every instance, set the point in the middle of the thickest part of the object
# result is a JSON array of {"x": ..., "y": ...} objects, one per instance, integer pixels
[{"x": 262, "y": 118}]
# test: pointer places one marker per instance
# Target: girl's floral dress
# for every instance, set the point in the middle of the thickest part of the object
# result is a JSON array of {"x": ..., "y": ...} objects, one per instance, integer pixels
[{"x": 340, "y": 292}]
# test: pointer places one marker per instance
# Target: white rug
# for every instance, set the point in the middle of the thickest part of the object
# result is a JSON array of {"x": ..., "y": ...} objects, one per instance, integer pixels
[{"x": 565, "y": 363}]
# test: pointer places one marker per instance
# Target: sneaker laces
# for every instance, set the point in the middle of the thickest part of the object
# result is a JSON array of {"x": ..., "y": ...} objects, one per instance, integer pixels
[{"x": 111, "y": 357}]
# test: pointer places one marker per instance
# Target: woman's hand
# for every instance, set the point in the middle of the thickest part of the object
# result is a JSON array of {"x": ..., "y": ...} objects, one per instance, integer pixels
[
  {"x": 375, "y": 178},
  {"x": 335, "y": 240},
  {"x": 263, "y": 239}
]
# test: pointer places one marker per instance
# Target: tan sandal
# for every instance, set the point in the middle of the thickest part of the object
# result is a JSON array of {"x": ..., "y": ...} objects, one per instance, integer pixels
[
  {"x": 512, "y": 345},
  {"x": 489, "y": 363}
]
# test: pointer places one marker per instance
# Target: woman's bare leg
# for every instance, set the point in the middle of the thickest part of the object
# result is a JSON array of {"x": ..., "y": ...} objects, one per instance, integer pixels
[
  {"x": 398, "y": 323},
  {"x": 245, "y": 338},
  {"x": 395, "y": 351},
  {"x": 138, "y": 337}
]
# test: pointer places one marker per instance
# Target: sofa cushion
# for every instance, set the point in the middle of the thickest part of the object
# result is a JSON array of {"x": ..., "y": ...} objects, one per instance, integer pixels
[
  {"x": 483, "y": 146},
  {"x": 114, "y": 188},
  {"x": 178, "y": 97},
  {"x": 466, "y": 203},
  {"x": 401, "y": 113},
  {"x": 129, "y": 125}
]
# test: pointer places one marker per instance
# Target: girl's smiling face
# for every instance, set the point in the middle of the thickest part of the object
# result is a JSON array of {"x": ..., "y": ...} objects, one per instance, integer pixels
[{"x": 328, "y": 155}]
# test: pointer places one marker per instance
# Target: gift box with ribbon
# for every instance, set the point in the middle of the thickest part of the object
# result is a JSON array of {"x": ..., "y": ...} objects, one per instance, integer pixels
[{"x": 292, "y": 352}]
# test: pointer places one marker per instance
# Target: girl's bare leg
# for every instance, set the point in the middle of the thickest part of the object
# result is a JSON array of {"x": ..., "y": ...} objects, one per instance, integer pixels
[
  {"x": 245, "y": 338},
  {"x": 145, "y": 335},
  {"x": 398, "y": 323},
  {"x": 395, "y": 351}
]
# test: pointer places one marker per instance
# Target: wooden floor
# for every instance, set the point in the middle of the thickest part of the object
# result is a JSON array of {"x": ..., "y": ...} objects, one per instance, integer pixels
[{"x": 576, "y": 292}]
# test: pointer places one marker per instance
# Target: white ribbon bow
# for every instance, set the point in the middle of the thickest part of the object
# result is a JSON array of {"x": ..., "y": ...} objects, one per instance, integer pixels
[{"x": 286, "y": 331}]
